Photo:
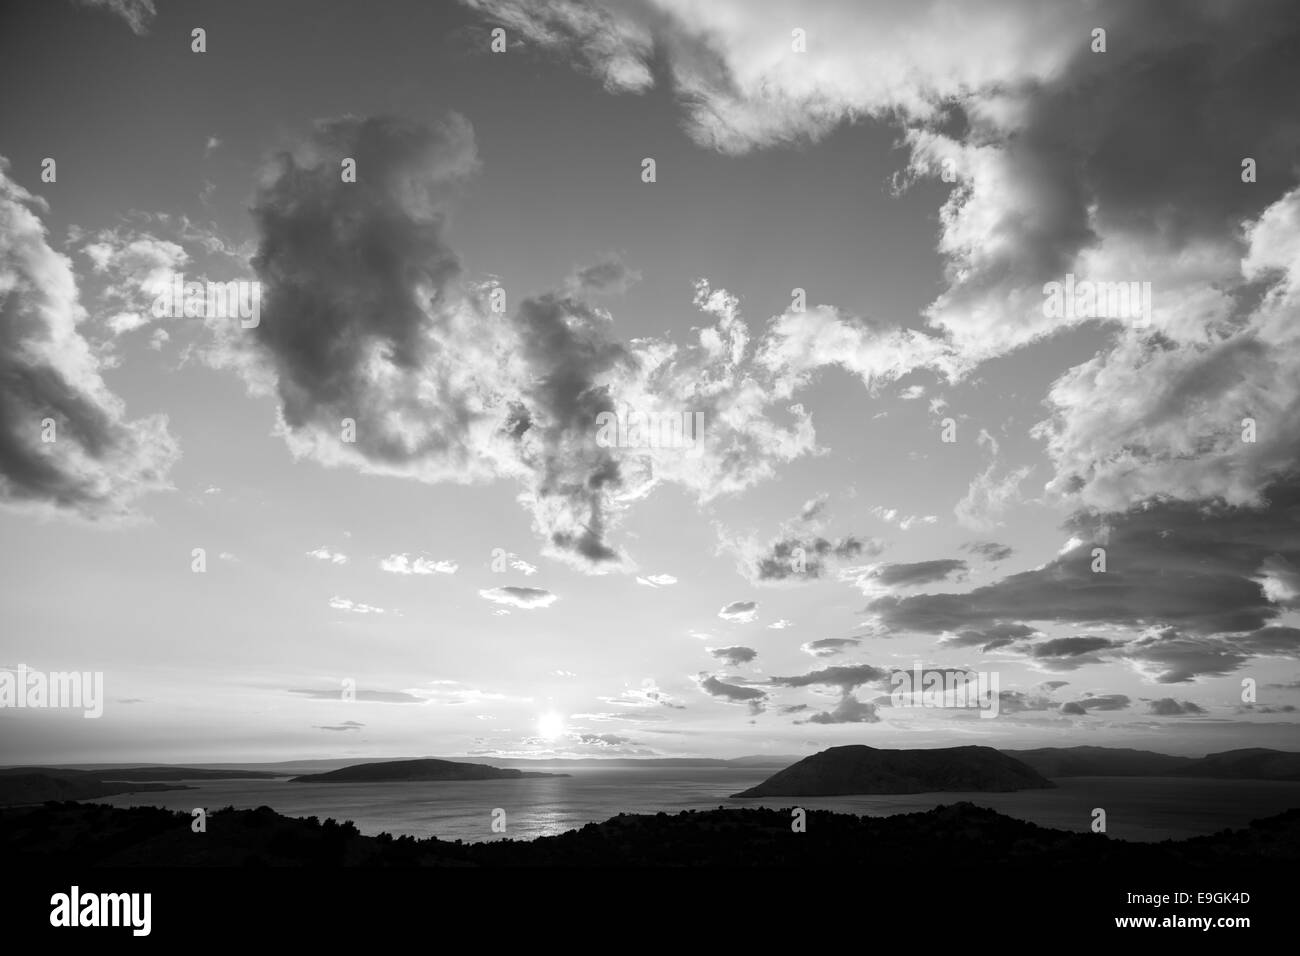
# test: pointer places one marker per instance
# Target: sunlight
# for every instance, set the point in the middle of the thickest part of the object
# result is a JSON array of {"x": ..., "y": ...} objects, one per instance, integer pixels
[{"x": 550, "y": 726}]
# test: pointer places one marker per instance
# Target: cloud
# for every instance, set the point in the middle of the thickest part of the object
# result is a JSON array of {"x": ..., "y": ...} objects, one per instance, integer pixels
[
  {"x": 137, "y": 13},
  {"x": 1168, "y": 707},
  {"x": 988, "y": 498},
  {"x": 517, "y": 563},
  {"x": 525, "y": 598},
  {"x": 384, "y": 356},
  {"x": 802, "y": 558},
  {"x": 609, "y": 276},
  {"x": 734, "y": 655},
  {"x": 813, "y": 508},
  {"x": 1068, "y": 653},
  {"x": 780, "y": 625},
  {"x": 346, "y": 725},
  {"x": 92, "y": 461},
  {"x": 355, "y": 607},
  {"x": 829, "y": 646},
  {"x": 844, "y": 676},
  {"x": 134, "y": 268},
  {"x": 753, "y": 697},
  {"x": 1015, "y": 702},
  {"x": 1058, "y": 170},
  {"x": 613, "y": 49},
  {"x": 989, "y": 638},
  {"x": 739, "y": 612},
  {"x": 989, "y": 550},
  {"x": 849, "y": 710},
  {"x": 414, "y": 564},
  {"x": 1081, "y": 707},
  {"x": 657, "y": 580},
  {"x": 605, "y": 740},
  {"x": 901, "y": 521},
  {"x": 916, "y": 573},
  {"x": 647, "y": 695},
  {"x": 1185, "y": 575},
  {"x": 325, "y": 554},
  {"x": 368, "y": 696}
]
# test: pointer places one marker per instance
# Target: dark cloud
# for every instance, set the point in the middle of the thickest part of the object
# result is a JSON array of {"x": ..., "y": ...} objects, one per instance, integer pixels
[
  {"x": 849, "y": 710},
  {"x": 1068, "y": 653},
  {"x": 989, "y": 550},
  {"x": 1014, "y": 701},
  {"x": 367, "y": 317},
  {"x": 990, "y": 638},
  {"x": 734, "y": 655},
  {"x": 565, "y": 345},
  {"x": 795, "y": 557},
  {"x": 1192, "y": 572},
  {"x": 520, "y": 597},
  {"x": 608, "y": 276},
  {"x": 1168, "y": 707},
  {"x": 710, "y": 684},
  {"x": 1171, "y": 657},
  {"x": 919, "y": 572},
  {"x": 844, "y": 676},
  {"x": 1081, "y": 707},
  {"x": 1268, "y": 709}
]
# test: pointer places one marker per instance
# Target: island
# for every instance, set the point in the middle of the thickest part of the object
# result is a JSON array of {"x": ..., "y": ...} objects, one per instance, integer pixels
[
  {"x": 858, "y": 769},
  {"x": 418, "y": 770}
]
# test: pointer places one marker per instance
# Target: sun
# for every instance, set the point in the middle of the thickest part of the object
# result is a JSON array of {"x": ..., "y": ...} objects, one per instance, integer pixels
[{"x": 550, "y": 726}]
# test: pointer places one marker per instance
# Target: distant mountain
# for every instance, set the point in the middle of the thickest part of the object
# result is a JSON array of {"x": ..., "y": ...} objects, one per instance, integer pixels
[
  {"x": 23, "y": 785},
  {"x": 840, "y": 771},
  {"x": 396, "y": 770},
  {"x": 1099, "y": 761},
  {"x": 1253, "y": 764}
]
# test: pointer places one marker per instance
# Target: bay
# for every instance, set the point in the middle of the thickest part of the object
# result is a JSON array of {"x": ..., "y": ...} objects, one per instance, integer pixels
[{"x": 1137, "y": 808}]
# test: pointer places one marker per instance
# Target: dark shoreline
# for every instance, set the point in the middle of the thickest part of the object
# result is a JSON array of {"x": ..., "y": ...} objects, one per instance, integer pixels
[{"x": 961, "y": 834}]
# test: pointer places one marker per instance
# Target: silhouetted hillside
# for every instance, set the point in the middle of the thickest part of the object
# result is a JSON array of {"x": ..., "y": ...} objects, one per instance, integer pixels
[
  {"x": 17, "y": 788},
  {"x": 961, "y": 836},
  {"x": 857, "y": 769}
]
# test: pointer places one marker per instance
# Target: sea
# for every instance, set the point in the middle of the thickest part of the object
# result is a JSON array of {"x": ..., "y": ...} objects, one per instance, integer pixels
[{"x": 1137, "y": 808}]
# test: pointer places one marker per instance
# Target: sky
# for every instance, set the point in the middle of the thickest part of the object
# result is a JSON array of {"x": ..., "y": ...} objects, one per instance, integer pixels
[{"x": 386, "y": 516}]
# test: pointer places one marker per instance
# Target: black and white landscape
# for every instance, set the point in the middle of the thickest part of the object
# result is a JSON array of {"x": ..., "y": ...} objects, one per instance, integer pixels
[{"x": 643, "y": 433}]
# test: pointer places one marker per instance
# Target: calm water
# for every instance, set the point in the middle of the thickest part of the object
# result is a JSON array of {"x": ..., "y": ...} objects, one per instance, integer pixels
[{"x": 1137, "y": 808}]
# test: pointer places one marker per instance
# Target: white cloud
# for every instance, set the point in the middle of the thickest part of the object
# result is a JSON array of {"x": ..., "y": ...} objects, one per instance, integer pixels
[
  {"x": 345, "y": 604},
  {"x": 407, "y": 564},
  {"x": 525, "y": 598}
]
